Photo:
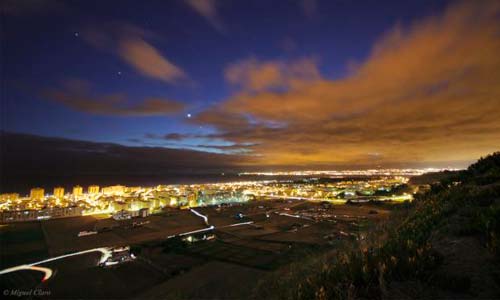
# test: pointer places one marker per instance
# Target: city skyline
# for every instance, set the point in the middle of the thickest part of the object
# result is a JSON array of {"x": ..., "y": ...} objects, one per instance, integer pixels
[
  {"x": 257, "y": 85},
  {"x": 258, "y": 149}
]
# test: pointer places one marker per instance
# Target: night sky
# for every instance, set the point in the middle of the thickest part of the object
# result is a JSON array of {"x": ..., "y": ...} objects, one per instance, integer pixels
[{"x": 270, "y": 82}]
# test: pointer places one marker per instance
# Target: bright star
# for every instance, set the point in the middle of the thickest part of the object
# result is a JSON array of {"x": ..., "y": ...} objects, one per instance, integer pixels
[{"x": 188, "y": 115}]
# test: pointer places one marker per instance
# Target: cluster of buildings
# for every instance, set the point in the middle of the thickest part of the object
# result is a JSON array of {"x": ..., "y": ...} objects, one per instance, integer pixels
[
  {"x": 121, "y": 201},
  {"x": 317, "y": 189},
  {"x": 344, "y": 173},
  {"x": 124, "y": 201}
]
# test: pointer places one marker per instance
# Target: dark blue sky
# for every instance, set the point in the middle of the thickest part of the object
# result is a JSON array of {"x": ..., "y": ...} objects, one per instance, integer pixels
[
  {"x": 288, "y": 82},
  {"x": 40, "y": 50}
]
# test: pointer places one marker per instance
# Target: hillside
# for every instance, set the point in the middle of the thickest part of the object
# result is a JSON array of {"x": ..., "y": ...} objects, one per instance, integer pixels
[
  {"x": 444, "y": 245},
  {"x": 433, "y": 177}
]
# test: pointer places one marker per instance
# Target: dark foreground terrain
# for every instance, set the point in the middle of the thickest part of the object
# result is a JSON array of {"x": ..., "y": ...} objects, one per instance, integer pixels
[
  {"x": 229, "y": 266},
  {"x": 445, "y": 245}
]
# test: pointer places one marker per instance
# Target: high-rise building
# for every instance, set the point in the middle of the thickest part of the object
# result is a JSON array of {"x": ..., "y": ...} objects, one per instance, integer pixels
[
  {"x": 192, "y": 199},
  {"x": 77, "y": 191},
  {"x": 59, "y": 192},
  {"x": 132, "y": 189},
  {"x": 37, "y": 193},
  {"x": 9, "y": 197},
  {"x": 93, "y": 189},
  {"x": 113, "y": 190}
]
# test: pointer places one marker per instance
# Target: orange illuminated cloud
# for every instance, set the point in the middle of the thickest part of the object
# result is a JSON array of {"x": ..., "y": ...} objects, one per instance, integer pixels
[
  {"x": 148, "y": 61},
  {"x": 254, "y": 75},
  {"x": 129, "y": 43},
  {"x": 428, "y": 92},
  {"x": 76, "y": 94},
  {"x": 208, "y": 10}
]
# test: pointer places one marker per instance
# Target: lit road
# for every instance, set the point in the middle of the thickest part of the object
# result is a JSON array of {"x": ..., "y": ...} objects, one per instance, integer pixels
[
  {"x": 194, "y": 231},
  {"x": 295, "y": 216},
  {"x": 47, "y": 272},
  {"x": 106, "y": 253},
  {"x": 205, "y": 218},
  {"x": 237, "y": 224},
  {"x": 210, "y": 227}
]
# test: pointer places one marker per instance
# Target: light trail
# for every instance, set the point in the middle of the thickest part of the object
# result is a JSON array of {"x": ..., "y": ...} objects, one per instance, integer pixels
[
  {"x": 295, "y": 216},
  {"x": 106, "y": 253},
  {"x": 47, "y": 271},
  {"x": 197, "y": 231},
  {"x": 191, "y": 232},
  {"x": 237, "y": 224},
  {"x": 205, "y": 218},
  {"x": 210, "y": 227},
  {"x": 289, "y": 215}
]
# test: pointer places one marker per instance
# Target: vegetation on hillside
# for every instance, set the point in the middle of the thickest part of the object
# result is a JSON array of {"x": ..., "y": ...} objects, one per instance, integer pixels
[{"x": 445, "y": 244}]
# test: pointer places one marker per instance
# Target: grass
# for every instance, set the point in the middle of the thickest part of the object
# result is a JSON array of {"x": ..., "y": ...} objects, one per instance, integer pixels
[{"x": 401, "y": 250}]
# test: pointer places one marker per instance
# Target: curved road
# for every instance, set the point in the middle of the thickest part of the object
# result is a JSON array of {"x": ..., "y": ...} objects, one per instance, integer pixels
[{"x": 106, "y": 253}]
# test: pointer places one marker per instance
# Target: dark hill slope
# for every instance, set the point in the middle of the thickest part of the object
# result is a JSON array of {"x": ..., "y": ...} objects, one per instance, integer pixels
[{"x": 445, "y": 246}]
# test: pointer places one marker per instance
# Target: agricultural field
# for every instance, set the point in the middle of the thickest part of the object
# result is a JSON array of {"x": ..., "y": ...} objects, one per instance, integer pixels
[
  {"x": 249, "y": 240},
  {"x": 21, "y": 243}
]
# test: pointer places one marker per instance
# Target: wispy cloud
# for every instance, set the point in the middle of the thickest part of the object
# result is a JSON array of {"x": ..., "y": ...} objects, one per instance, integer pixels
[
  {"x": 254, "y": 75},
  {"x": 208, "y": 142},
  {"x": 427, "y": 92},
  {"x": 130, "y": 44},
  {"x": 77, "y": 95},
  {"x": 309, "y": 7},
  {"x": 176, "y": 136},
  {"x": 148, "y": 61},
  {"x": 228, "y": 149},
  {"x": 208, "y": 10}
]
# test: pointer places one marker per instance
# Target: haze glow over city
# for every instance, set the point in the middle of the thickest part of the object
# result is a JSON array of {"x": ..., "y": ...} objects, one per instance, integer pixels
[{"x": 261, "y": 84}]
